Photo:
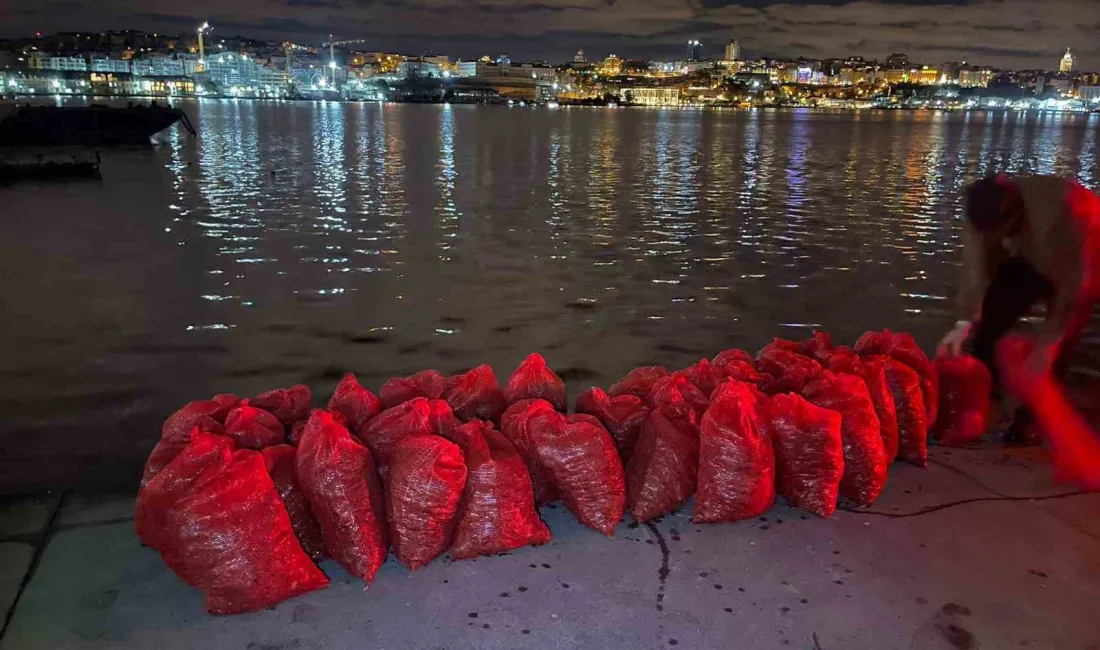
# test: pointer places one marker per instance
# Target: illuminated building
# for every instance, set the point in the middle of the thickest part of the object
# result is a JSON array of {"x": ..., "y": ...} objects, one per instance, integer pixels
[
  {"x": 652, "y": 96},
  {"x": 897, "y": 60},
  {"x": 43, "y": 61},
  {"x": 1090, "y": 95},
  {"x": 1066, "y": 64},
  {"x": 579, "y": 57},
  {"x": 733, "y": 50},
  {"x": 926, "y": 75},
  {"x": 694, "y": 50},
  {"x": 611, "y": 66},
  {"x": 974, "y": 77},
  {"x": 107, "y": 64}
]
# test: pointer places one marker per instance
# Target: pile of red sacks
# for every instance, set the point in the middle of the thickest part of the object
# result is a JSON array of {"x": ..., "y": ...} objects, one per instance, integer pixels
[{"x": 243, "y": 497}]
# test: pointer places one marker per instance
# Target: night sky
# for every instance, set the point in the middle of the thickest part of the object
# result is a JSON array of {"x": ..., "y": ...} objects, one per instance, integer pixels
[{"x": 1004, "y": 33}]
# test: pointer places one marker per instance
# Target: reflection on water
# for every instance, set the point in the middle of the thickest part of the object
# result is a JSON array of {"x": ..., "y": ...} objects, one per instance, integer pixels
[{"x": 292, "y": 242}]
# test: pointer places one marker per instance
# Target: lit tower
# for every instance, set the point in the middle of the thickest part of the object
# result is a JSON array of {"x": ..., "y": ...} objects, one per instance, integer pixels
[
  {"x": 694, "y": 50},
  {"x": 201, "y": 67},
  {"x": 1066, "y": 65},
  {"x": 733, "y": 50}
]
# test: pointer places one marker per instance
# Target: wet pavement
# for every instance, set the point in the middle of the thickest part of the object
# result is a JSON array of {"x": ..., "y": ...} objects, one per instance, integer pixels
[{"x": 979, "y": 550}]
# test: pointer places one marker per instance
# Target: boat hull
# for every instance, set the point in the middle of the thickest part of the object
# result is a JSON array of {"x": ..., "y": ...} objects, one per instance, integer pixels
[{"x": 89, "y": 126}]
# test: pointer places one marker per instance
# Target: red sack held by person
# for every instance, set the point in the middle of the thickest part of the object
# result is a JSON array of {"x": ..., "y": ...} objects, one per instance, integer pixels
[
  {"x": 727, "y": 357},
  {"x": 580, "y": 458},
  {"x": 744, "y": 371},
  {"x": 535, "y": 380},
  {"x": 736, "y": 461},
  {"x": 789, "y": 371},
  {"x": 903, "y": 347},
  {"x": 203, "y": 414},
  {"x": 662, "y": 472},
  {"x": 516, "y": 424},
  {"x": 638, "y": 382},
  {"x": 966, "y": 386},
  {"x": 705, "y": 376},
  {"x": 412, "y": 418},
  {"x": 675, "y": 392},
  {"x": 296, "y": 432},
  {"x": 281, "y": 467},
  {"x": 355, "y": 404},
  {"x": 809, "y": 453},
  {"x": 865, "y": 460},
  {"x": 819, "y": 347},
  {"x": 475, "y": 395},
  {"x": 441, "y": 419},
  {"x": 338, "y": 476},
  {"x": 623, "y": 416},
  {"x": 253, "y": 428},
  {"x": 225, "y": 530},
  {"x": 423, "y": 490},
  {"x": 289, "y": 405},
  {"x": 497, "y": 512},
  {"x": 905, "y": 386},
  {"x": 426, "y": 383}
]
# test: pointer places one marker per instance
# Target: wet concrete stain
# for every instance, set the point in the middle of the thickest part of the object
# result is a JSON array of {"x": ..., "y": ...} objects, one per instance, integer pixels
[
  {"x": 472, "y": 615},
  {"x": 521, "y": 589},
  {"x": 953, "y": 609},
  {"x": 1038, "y": 574},
  {"x": 663, "y": 571}
]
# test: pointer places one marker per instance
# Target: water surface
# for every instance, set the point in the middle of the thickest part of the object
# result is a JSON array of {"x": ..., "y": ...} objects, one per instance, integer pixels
[{"x": 294, "y": 241}]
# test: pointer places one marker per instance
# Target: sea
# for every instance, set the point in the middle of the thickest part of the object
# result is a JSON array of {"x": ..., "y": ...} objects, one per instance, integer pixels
[{"x": 295, "y": 242}]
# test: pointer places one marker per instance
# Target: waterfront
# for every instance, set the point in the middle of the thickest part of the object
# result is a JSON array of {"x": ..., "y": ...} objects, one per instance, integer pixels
[{"x": 293, "y": 241}]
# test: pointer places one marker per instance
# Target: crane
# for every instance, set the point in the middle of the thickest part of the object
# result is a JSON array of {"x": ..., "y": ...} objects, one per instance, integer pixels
[
  {"x": 332, "y": 43},
  {"x": 203, "y": 28},
  {"x": 288, "y": 48}
]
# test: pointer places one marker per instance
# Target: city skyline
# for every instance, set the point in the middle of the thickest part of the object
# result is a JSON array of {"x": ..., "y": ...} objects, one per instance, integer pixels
[{"x": 1006, "y": 34}]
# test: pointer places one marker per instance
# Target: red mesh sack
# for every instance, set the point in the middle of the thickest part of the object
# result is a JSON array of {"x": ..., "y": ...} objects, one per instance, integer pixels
[
  {"x": 203, "y": 413},
  {"x": 426, "y": 383},
  {"x": 296, "y": 431},
  {"x": 281, "y": 467},
  {"x": 516, "y": 426},
  {"x": 253, "y": 428},
  {"x": 338, "y": 477},
  {"x": 727, "y": 357},
  {"x": 779, "y": 344},
  {"x": 355, "y": 404},
  {"x": 426, "y": 477},
  {"x": 736, "y": 461},
  {"x": 809, "y": 454},
  {"x": 203, "y": 452},
  {"x": 662, "y": 472},
  {"x": 865, "y": 460},
  {"x": 623, "y": 416},
  {"x": 441, "y": 419},
  {"x": 638, "y": 381},
  {"x": 581, "y": 460},
  {"x": 744, "y": 371},
  {"x": 873, "y": 372},
  {"x": 387, "y": 429},
  {"x": 221, "y": 526},
  {"x": 705, "y": 376},
  {"x": 909, "y": 402},
  {"x": 289, "y": 405},
  {"x": 789, "y": 371},
  {"x": 533, "y": 379},
  {"x": 475, "y": 395},
  {"x": 167, "y": 449},
  {"x": 904, "y": 348},
  {"x": 498, "y": 505},
  {"x": 675, "y": 392},
  {"x": 819, "y": 346},
  {"x": 965, "y": 403}
]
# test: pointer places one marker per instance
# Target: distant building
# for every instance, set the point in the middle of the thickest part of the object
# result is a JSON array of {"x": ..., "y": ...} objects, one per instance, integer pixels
[
  {"x": 1065, "y": 66},
  {"x": 733, "y": 50},
  {"x": 1090, "y": 95},
  {"x": 579, "y": 57},
  {"x": 652, "y": 96},
  {"x": 611, "y": 66},
  {"x": 1063, "y": 84},
  {"x": 419, "y": 69},
  {"x": 44, "y": 61},
  {"x": 694, "y": 50},
  {"x": 975, "y": 77},
  {"x": 158, "y": 67},
  {"x": 108, "y": 64},
  {"x": 897, "y": 60}
]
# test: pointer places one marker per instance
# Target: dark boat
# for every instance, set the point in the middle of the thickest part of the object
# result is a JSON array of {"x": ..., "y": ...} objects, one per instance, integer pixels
[
  {"x": 89, "y": 126},
  {"x": 48, "y": 170}
]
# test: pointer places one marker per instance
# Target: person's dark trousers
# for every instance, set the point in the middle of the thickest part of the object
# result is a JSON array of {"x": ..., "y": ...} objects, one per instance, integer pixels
[{"x": 1014, "y": 290}]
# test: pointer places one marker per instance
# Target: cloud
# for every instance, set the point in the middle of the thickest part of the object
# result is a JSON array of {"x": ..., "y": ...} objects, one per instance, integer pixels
[{"x": 1006, "y": 33}]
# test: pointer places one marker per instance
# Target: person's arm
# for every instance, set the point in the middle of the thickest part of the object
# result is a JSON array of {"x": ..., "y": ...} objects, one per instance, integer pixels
[{"x": 974, "y": 274}]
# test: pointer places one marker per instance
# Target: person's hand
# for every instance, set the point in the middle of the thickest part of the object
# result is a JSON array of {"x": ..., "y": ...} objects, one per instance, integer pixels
[{"x": 952, "y": 343}]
